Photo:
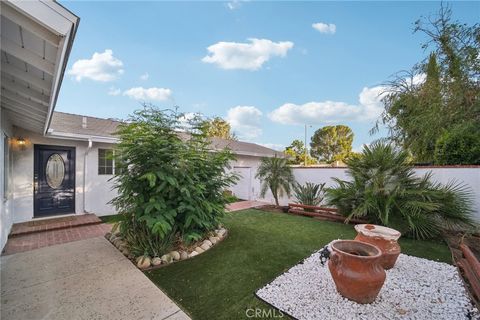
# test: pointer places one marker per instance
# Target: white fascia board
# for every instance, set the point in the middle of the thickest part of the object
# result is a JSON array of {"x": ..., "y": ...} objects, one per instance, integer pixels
[
  {"x": 49, "y": 14},
  {"x": 81, "y": 137},
  {"x": 62, "y": 57}
]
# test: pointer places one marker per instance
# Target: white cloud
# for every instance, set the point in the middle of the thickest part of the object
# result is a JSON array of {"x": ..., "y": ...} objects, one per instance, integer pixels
[
  {"x": 245, "y": 121},
  {"x": 418, "y": 79},
  {"x": 144, "y": 76},
  {"x": 246, "y": 56},
  {"x": 185, "y": 120},
  {"x": 328, "y": 28},
  {"x": 368, "y": 108},
  {"x": 102, "y": 67},
  {"x": 146, "y": 94},
  {"x": 114, "y": 91}
]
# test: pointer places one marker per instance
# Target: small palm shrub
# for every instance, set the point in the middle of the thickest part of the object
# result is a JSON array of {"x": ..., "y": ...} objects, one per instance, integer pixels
[
  {"x": 275, "y": 175},
  {"x": 170, "y": 185},
  {"x": 310, "y": 194},
  {"x": 384, "y": 190}
]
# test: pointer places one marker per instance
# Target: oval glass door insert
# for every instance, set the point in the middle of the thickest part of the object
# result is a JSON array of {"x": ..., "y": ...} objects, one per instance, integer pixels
[{"x": 55, "y": 171}]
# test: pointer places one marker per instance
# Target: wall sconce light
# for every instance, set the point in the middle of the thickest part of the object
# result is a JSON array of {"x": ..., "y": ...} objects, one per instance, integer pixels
[{"x": 22, "y": 143}]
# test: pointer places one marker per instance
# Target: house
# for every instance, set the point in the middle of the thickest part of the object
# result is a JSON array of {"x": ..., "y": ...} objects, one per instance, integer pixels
[
  {"x": 36, "y": 39},
  {"x": 57, "y": 163}
]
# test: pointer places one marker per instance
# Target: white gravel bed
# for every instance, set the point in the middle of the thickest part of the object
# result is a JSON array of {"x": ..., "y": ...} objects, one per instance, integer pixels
[{"x": 415, "y": 288}]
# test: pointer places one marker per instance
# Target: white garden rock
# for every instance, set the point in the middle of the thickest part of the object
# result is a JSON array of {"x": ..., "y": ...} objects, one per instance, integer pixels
[
  {"x": 156, "y": 261},
  {"x": 221, "y": 232},
  {"x": 143, "y": 262},
  {"x": 415, "y": 288},
  {"x": 175, "y": 255},
  {"x": 183, "y": 255},
  {"x": 166, "y": 258}
]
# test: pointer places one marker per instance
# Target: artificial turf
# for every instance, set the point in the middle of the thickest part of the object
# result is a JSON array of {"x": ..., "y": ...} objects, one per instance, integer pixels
[
  {"x": 114, "y": 218},
  {"x": 220, "y": 283}
]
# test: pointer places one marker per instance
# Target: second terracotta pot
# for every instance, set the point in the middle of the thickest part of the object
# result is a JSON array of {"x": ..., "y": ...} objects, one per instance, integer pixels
[
  {"x": 356, "y": 270},
  {"x": 382, "y": 237}
]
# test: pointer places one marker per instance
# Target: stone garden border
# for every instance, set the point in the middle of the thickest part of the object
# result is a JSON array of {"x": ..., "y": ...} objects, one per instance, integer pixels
[{"x": 149, "y": 263}]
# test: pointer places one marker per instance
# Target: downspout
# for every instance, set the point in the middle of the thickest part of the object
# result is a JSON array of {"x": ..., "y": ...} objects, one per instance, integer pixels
[{"x": 85, "y": 173}]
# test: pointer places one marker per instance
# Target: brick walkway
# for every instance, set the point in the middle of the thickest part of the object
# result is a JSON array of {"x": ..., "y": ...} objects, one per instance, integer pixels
[
  {"x": 242, "y": 205},
  {"x": 41, "y": 233}
]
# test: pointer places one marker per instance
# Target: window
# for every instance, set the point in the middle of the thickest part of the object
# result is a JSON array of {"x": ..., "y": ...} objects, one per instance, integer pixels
[{"x": 105, "y": 161}]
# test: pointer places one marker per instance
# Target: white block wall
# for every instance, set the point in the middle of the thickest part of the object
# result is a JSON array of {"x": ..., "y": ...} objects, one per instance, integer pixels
[{"x": 469, "y": 175}]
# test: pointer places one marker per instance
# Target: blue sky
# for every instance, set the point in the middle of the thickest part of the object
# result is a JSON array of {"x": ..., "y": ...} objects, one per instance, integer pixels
[{"x": 266, "y": 67}]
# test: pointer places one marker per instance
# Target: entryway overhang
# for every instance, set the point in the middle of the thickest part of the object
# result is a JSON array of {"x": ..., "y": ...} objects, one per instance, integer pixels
[{"x": 36, "y": 39}]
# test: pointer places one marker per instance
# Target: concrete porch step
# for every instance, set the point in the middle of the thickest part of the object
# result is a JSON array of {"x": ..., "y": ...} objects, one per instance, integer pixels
[{"x": 35, "y": 226}]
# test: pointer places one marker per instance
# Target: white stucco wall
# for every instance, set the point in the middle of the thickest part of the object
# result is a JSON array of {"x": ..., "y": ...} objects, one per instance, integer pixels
[
  {"x": 246, "y": 165},
  {"x": 98, "y": 190},
  {"x": 6, "y": 199},
  {"x": 470, "y": 176},
  {"x": 23, "y": 172}
]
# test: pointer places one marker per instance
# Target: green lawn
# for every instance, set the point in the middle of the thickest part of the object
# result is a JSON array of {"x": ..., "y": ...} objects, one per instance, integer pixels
[
  {"x": 114, "y": 218},
  {"x": 220, "y": 283}
]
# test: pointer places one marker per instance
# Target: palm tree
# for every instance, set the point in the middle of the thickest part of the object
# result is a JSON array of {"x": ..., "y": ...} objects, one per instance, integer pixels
[
  {"x": 276, "y": 175},
  {"x": 384, "y": 189}
]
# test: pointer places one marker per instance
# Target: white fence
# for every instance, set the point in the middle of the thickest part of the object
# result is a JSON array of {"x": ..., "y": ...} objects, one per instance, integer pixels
[{"x": 469, "y": 175}]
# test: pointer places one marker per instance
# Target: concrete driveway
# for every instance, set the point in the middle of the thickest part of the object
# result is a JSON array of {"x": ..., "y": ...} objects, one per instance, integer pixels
[{"x": 86, "y": 279}]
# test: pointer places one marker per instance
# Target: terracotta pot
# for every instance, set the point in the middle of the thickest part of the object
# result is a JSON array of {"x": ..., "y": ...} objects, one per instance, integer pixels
[
  {"x": 356, "y": 270},
  {"x": 382, "y": 237}
]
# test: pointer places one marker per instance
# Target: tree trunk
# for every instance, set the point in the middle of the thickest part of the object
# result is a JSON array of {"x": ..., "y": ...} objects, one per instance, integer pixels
[{"x": 275, "y": 196}]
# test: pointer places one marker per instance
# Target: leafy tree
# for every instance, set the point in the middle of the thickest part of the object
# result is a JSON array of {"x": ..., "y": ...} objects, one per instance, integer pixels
[
  {"x": 296, "y": 153},
  {"x": 459, "y": 146},
  {"x": 169, "y": 186},
  {"x": 217, "y": 127},
  {"x": 418, "y": 113},
  {"x": 332, "y": 143},
  {"x": 384, "y": 189},
  {"x": 276, "y": 175}
]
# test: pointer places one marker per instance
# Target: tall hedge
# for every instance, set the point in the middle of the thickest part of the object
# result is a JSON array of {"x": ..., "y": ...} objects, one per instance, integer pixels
[{"x": 461, "y": 145}]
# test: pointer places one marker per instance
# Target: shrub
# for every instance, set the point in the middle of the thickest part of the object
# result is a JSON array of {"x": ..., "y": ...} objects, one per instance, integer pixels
[
  {"x": 170, "y": 185},
  {"x": 310, "y": 194},
  {"x": 385, "y": 190},
  {"x": 459, "y": 146},
  {"x": 276, "y": 175}
]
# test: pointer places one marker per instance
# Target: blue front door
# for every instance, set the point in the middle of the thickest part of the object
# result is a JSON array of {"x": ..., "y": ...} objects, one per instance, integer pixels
[{"x": 54, "y": 180}]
